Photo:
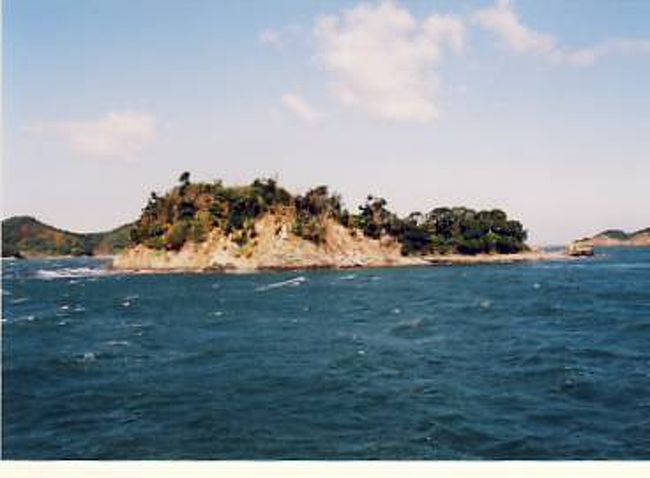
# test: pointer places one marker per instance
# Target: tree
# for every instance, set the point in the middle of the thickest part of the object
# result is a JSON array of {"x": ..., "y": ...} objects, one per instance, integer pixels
[{"x": 184, "y": 179}]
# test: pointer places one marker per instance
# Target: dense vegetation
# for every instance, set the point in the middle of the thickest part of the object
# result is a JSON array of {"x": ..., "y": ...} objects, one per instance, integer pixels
[
  {"x": 25, "y": 236},
  {"x": 190, "y": 210}
]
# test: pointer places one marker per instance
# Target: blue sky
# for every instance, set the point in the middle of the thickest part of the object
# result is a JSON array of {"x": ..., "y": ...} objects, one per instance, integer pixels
[{"x": 539, "y": 108}]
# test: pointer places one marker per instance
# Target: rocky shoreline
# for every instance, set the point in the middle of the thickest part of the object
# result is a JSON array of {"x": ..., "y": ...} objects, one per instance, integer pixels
[{"x": 423, "y": 261}]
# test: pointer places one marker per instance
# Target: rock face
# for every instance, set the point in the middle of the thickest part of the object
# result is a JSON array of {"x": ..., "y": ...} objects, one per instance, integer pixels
[
  {"x": 581, "y": 248},
  {"x": 274, "y": 247}
]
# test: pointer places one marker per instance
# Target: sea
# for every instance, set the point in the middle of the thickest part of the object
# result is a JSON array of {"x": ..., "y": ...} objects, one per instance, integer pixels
[{"x": 543, "y": 361}]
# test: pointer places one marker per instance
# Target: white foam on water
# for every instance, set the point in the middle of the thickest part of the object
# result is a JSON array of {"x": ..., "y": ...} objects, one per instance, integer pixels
[
  {"x": 348, "y": 277},
  {"x": 20, "y": 300},
  {"x": 115, "y": 343},
  {"x": 88, "y": 357},
  {"x": 294, "y": 282},
  {"x": 217, "y": 313},
  {"x": 26, "y": 318},
  {"x": 69, "y": 272}
]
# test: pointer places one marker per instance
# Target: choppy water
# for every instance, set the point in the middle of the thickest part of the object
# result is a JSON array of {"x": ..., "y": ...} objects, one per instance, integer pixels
[{"x": 545, "y": 361}]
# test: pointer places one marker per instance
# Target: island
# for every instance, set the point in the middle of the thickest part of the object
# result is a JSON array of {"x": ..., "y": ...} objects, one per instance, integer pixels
[
  {"x": 208, "y": 226},
  {"x": 211, "y": 227},
  {"x": 619, "y": 238},
  {"x": 27, "y": 237}
]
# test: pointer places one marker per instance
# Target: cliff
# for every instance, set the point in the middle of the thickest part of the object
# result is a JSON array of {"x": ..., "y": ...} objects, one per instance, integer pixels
[{"x": 274, "y": 246}]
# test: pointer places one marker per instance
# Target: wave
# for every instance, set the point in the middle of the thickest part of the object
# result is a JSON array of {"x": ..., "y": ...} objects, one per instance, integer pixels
[
  {"x": 294, "y": 282},
  {"x": 69, "y": 272},
  {"x": 348, "y": 277}
]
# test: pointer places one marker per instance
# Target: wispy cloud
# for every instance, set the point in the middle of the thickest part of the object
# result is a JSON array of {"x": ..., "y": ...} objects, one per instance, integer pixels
[
  {"x": 119, "y": 134},
  {"x": 382, "y": 60},
  {"x": 297, "y": 105},
  {"x": 589, "y": 56},
  {"x": 502, "y": 20},
  {"x": 280, "y": 37},
  {"x": 270, "y": 37}
]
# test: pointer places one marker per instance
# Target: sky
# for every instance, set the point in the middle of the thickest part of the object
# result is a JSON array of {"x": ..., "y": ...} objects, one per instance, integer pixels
[{"x": 538, "y": 108}]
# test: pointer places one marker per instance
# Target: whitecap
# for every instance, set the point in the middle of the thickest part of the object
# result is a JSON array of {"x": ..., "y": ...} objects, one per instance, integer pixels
[
  {"x": 26, "y": 318},
  {"x": 294, "y": 282},
  {"x": 20, "y": 300},
  {"x": 217, "y": 313},
  {"x": 64, "y": 307},
  {"x": 69, "y": 272},
  {"x": 88, "y": 357},
  {"x": 536, "y": 285},
  {"x": 485, "y": 304},
  {"x": 396, "y": 310},
  {"x": 118, "y": 342},
  {"x": 348, "y": 277}
]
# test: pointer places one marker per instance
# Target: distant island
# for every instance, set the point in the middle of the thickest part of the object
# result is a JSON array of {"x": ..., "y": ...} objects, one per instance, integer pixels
[
  {"x": 209, "y": 226},
  {"x": 26, "y": 237},
  {"x": 618, "y": 238}
]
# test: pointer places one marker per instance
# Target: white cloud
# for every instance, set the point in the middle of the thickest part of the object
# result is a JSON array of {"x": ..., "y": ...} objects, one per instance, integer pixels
[
  {"x": 299, "y": 107},
  {"x": 514, "y": 35},
  {"x": 504, "y": 23},
  {"x": 589, "y": 56},
  {"x": 383, "y": 61},
  {"x": 118, "y": 134},
  {"x": 270, "y": 38}
]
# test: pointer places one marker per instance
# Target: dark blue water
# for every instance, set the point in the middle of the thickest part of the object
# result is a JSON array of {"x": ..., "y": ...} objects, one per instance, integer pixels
[{"x": 544, "y": 361}]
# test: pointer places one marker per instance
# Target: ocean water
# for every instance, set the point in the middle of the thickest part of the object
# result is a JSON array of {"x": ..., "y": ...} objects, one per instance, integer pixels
[{"x": 529, "y": 361}]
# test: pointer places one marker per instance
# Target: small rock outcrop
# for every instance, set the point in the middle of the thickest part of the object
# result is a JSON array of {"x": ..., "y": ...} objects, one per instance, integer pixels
[{"x": 581, "y": 248}]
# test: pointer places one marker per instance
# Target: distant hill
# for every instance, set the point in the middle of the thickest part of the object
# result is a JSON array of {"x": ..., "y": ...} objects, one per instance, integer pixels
[
  {"x": 617, "y": 237},
  {"x": 25, "y": 236}
]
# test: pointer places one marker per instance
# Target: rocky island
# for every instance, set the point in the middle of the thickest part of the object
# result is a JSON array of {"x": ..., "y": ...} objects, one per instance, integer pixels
[
  {"x": 261, "y": 226},
  {"x": 618, "y": 238}
]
